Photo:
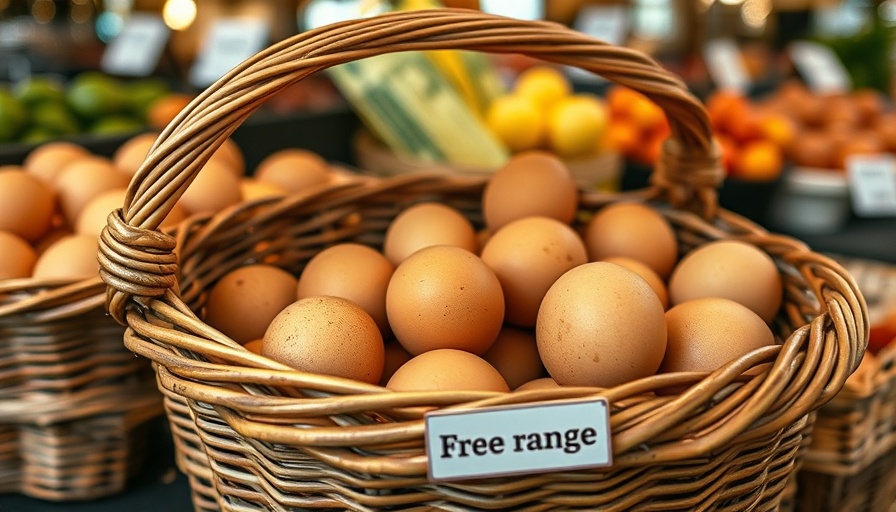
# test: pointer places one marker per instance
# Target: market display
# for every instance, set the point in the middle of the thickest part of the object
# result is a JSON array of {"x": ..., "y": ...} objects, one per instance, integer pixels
[{"x": 506, "y": 235}]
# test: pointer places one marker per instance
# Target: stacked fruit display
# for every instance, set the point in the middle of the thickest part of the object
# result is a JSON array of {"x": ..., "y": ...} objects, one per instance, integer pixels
[
  {"x": 541, "y": 111},
  {"x": 54, "y": 206},
  {"x": 525, "y": 300},
  {"x": 832, "y": 127},
  {"x": 41, "y": 108}
]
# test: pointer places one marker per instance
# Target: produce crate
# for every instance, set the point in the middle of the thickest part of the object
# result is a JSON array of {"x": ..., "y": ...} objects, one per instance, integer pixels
[
  {"x": 73, "y": 400},
  {"x": 851, "y": 464},
  {"x": 253, "y": 434}
]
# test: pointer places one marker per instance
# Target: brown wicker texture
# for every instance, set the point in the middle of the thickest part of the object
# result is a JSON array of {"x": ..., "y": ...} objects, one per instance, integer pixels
[
  {"x": 850, "y": 464},
  {"x": 72, "y": 399},
  {"x": 279, "y": 439}
]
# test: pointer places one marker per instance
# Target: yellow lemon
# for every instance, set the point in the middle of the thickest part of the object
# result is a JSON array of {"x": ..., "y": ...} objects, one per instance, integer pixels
[
  {"x": 577, "y": 124},
  {"x": 545, "y": 85},
  {"x": 516, "y": 121}
]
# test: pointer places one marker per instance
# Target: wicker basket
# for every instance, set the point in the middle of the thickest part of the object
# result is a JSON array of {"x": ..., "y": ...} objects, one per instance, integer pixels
[
  {"x": 72, "y": 399},
  {"x": 256, "y": 435},
  {"x": 851, "y": 463}
]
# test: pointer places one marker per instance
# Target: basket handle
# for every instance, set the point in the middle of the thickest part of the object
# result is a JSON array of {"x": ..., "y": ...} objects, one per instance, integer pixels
[{"x": 137, "y": 260}]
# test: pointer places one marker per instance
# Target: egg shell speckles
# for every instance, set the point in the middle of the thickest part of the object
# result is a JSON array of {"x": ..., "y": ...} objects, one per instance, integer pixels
[
  {"x": 329, "y": 336},
  {"x": 600, "y": 325}
]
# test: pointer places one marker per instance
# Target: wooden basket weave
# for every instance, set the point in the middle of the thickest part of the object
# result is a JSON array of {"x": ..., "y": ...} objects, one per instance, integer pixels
[
  {"x": 256, "y": 435},
  {"x": 851, "y": 461},
  {"x": 72, "y": 399}
]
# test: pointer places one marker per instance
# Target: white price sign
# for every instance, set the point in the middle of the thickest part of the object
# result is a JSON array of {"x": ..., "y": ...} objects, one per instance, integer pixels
[
  {"x": 872, "y": 184},
  {"x": 137, "y": 49},
  {"x": 519, "y": 9},
  {"x": 608, "y": 23},
  {"x": 726, "y": 65},
  {"x": 230, "y": 41},
  {"x": 519, "y": 439},
  {"x": 820, "y": 67}
]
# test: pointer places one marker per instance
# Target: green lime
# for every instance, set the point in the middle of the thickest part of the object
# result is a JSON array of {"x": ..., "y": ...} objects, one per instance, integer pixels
[
  {"x": 93, "y": 96},
  {"x": 56, "y": 118},
  {"x": 37, "y": 135},
  {"x": 116, "y": 125},
  {"x": 13, "y": 116},
  {"x": 142, "y": 93},
  {"x": 37, "y": 90}
]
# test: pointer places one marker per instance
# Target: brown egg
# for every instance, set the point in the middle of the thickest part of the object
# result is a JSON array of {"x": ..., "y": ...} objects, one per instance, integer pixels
[
  {"x": 531, "y": 183},
  {"x": 445, "y": 297},
  {"x": 17, "y": 257},
  {"x": 71, "y": 257},
  {"x": 252, "y": 189},
  {"x": 27, "y": 205},
  {"x": 447, "y": 370},
  {"x": 395, "y": 357},
  {"x": 230, "y": 154},
  {"x": 842, "y": 110},
  {"x": 729, "y": 269},
  {"x": 51, "y": 238},
  {"x": 83, "y": 180},
  {"x": 647, "y": 273},
  {"x": 351, "y": 271},
  {"x": 47, "y": 160},
  {"x": 632, "y": 230},
  {"x": 254, "y": 345},
  {"x": 870, "y": 103},
  {"x": 705, "y": 334},
  {"x": 424, "y": 225},
  {"x": 600, "y": 325},
  {"x": 214, "y": 189},
  {"x": 130, "y": 155},
  {"x": 542, "y": 383},
  {"x": 886, "y": 130},
  {"x": 327, "y": 336},
  {"x": 813, "y": 149},
  {"x": 515, "y": 355},
  {"x": 244, "y": 302},
  {"x": 528, "y": 255},
  {"x": 94, "y": 216},
  {"x": 865, "y": 142},
  {"x": 295, "y": 170}
]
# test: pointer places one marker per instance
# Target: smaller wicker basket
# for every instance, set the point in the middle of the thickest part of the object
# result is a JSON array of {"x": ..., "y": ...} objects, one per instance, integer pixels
[
  {"x": 73, "y": 400},
  {"x": 851, "y": 461}
]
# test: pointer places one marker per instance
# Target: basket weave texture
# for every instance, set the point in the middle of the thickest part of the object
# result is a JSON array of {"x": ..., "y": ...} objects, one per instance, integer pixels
[
  {"x": 851, "y": 461},
  {"x": 256, "y": 435},
  {"x": 72, "y": 399}
]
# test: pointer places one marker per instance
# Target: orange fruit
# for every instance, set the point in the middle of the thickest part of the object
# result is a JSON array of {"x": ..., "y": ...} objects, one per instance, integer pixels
[
  {"x": 725, "y": 109},
  {"x": 779, "y": 129},
  {"x": 729, "y": 151},
  {"x": 165, "y": 109},
  {"x": 622, "y": 136},
  {"x": 620, "y": 100},
  {"x": 646, "y": 114},
  {"x": 759, "y": 160}
]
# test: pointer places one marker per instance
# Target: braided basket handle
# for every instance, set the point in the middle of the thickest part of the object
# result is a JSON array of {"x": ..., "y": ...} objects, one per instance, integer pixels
[{"x": 138, "y": 261}]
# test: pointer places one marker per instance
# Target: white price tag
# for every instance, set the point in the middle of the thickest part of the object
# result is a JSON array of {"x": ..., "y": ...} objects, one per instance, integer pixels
[
  {"x": 230, "y": 41},
  {"x": 872, "y": 184},
  {"x": 519, "y": 9},
  {"x": 137, "y": 49},
  {"x": 726, "y": 65},
  {"x": 820, "y": 67},
  {"x": 512, "y": 440},
  {"x": 608, "y": 23}
]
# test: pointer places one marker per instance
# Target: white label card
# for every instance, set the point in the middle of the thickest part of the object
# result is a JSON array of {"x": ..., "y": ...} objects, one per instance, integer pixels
[
  {"x": 229, "y": 42},
  {"x": 726, "y": 66},
  {"x": 519, "y": 9},
  {"x": 872, "y": 184},
  {"x": 513, "y": 440},
  {"x": 820, "y": 67},
  {"x": 138, "y": 47}
]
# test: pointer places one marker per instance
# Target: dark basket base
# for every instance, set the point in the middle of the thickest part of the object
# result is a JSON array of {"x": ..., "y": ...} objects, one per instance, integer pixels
[{"x": 870, "y": 490}]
